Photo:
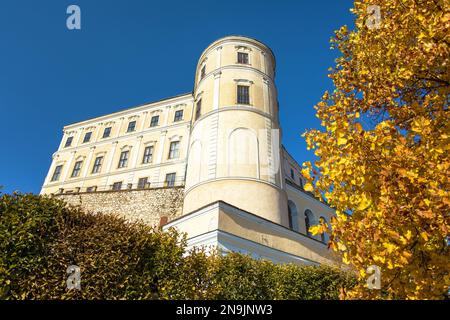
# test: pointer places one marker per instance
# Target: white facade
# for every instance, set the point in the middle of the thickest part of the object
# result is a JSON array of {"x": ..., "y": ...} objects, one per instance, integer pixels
[{"x": 243, "y": 191}]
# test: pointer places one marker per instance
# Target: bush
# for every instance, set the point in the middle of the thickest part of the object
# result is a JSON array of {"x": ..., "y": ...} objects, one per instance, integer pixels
[{"x": 41, "y": 236}]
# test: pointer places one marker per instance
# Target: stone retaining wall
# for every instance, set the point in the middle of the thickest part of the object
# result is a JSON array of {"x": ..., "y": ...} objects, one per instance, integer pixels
[{"x": 148, "y": 205}]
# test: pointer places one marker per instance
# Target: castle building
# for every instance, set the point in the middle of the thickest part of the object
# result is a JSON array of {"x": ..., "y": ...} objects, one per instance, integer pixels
[{"x": 209, "y": 163}]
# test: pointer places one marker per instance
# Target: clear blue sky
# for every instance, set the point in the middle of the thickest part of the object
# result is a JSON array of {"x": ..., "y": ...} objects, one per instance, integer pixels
[{"x": 50, "y": 76}]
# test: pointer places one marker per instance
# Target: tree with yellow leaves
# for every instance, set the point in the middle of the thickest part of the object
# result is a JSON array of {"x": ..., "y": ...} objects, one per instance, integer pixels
[{"x": 384, "y": 151}]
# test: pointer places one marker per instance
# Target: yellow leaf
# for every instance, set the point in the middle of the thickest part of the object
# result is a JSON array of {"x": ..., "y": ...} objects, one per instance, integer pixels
[
  {"x": 341, "y": 246},
  {"x": 341, "y": 141},
  {"x": 308, "y": 187},
  {"x": 424, "y": 235}
]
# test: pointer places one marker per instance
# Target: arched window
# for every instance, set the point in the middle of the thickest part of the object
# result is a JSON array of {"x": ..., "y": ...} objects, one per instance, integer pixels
[
  {"x": 309, "y": 221},
  {"x": 293, "y": 216},
  {"x": 323, "y": 236}
]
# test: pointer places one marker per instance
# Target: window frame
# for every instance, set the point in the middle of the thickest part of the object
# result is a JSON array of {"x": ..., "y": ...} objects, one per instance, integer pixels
[
  {"x": 106, "y": 130},
  {"x": 97, "y": 167},
  {"x": 147, "y": 155},
  {"x": 203, "y": 72},
  {"x": 177, "y": 116},
  {"x": 115, "y": 184},
  {"x": 131, "y": 126},
  {"x": 69, "y": 142},
  {"x": 152, "y": 125},
  {"x": 171, "y": 182},
  {"x": 87, "y": 137},
  {"x": 123, "y": 159},
  {"x": 174, "y": 153},
  {"x": 243, "y": 97},
  {"x": 56, "y": 173},
  {"x": 246, "y": 59},
  {"x": 142, "y": 183},
  {"x": 76, "y": 169},
  {"x": 198, "y": 109}
]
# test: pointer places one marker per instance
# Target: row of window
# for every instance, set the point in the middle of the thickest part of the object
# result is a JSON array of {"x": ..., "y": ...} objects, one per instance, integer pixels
[
  {"x": 242, "y": 58},
  {"x": 243, "y": 97},
  {"x": 143, "y": 183},
  {"x": 174, "y": 153},
  {"x": 131, "y": 128},
  {"x": 293, "y": 178},
  {"x": 309, "y": 220}
]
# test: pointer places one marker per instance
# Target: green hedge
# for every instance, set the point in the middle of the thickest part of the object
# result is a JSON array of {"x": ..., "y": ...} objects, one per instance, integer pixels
[{"x": 41, "y": 236}]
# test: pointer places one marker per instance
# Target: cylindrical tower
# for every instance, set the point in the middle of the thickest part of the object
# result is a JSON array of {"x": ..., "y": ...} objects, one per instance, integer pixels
[{"x": 234, "y": 148}]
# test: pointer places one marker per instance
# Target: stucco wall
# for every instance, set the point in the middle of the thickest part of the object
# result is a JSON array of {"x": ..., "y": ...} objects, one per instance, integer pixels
[{"x": 146, "y": 205}]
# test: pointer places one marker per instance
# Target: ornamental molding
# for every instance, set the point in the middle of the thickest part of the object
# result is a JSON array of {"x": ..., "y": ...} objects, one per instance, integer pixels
[
  {"x": 150, "y": 143},
  {"x": 243, "y": 81},
  {"x": 242, "y": 48},
  {"x": 175, "y": 137}
]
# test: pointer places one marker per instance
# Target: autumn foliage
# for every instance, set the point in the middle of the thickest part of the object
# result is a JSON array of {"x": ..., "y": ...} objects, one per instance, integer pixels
[{"x": 384, "y": 151}]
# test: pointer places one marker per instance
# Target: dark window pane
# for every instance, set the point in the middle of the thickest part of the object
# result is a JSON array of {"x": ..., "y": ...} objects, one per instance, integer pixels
[
  {"x": 203, "y": 72},
  {"x": 68, "y": 142},
  {"x": 178, "y": 115},
  {"x": 123, "y": 161},
  {"x": 97, "y": 165},
  {"x": 148, "y": 155},
  {"x": 174, "y": 151},
  {"x": 91, "y": 189},
  {"x": 87, "y": 137},
  {"x": 117, "y": 185},
  {"x": 143, "y": 183},
  {"x": 243, "y": 95},
  {"x": 243, "y": 57},
  {"x": 57, "y": 173},
  {"x": 198, "y": 111},
  {"x": 131, "y": 126},
  {"x": 154, "y": 121},
  {"x": 170, "y": 179},
  {"x": 107, "y": 132},
  {"x": 76, "y": 169}
]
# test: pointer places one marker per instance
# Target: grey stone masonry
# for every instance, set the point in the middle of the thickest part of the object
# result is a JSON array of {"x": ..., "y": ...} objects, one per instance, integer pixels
[{"x": 147, "y": 205}]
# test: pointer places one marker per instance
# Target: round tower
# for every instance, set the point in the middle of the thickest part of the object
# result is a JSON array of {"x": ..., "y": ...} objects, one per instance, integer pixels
[{"x": 234, "y": 147}]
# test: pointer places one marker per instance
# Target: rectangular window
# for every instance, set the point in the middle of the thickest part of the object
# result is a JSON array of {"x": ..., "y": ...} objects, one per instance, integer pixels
[
  {"x": 203, "y": 72},
  {"x": 243, "y": 57},
  {"x": 97, "y": 165},
  {"x": 178, "y": 116},
  {"x": 87, "y": 137},
  {"x": 174, "y": 151},
  {"x": 170, "y": 179},
  {"x": 292, "y": 174},
  {"x": 131, "y": 126},
  {"x": 154, "y": 121},
  {"x": 57, "y": 173},
  {"x": 117, "y": 185},
  {"x": 107, "y": 132},
  {"x": 198, "y": 110},
  {"x": 68, "y": 142},
  {"x": 148, "y": 155},
  {"x": 91, "y": 189},
  {"x": 123, "y": 161},
  {"x": 76, "y": 169},
  {"x": 243, "y": 95},
  {"x": 143, "y": 183}
]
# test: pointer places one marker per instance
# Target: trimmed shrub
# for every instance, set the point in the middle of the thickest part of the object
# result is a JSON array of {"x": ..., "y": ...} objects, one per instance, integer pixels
[{"x": 41, "y": 236}]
